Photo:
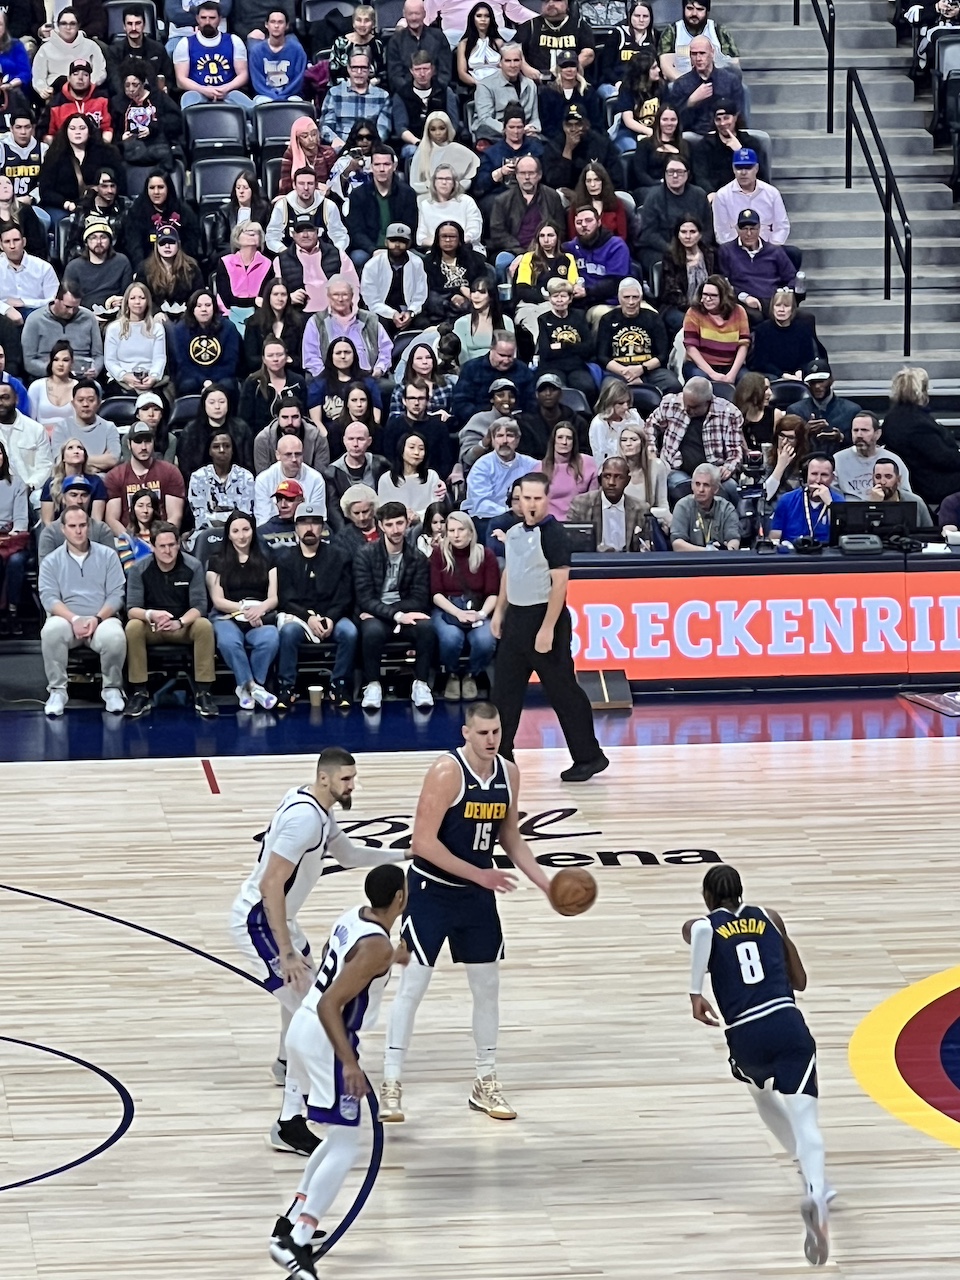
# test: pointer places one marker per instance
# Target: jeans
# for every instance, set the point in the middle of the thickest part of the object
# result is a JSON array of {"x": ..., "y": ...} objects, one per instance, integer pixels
[
  {"x": 359, "y": 258},
  {"x": 192, "y": 99},
  {"x": 292, "y": 637},
  {"x": 451, "y": 638},
  {"x": 503, "y": 261},
  {"x": 248, "y": 655},
  {"x": 12, "y": 572},
  {"x": 679, "y": 484}
]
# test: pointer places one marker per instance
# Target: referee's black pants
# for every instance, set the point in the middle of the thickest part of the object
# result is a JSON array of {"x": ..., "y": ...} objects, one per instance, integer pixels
[{"x": 517, "y": 658}]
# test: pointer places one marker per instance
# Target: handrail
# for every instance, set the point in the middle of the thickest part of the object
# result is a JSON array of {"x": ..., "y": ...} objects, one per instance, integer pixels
[
  {"x": 828, "y": 29},
  {"x": 889, "y": 195}
]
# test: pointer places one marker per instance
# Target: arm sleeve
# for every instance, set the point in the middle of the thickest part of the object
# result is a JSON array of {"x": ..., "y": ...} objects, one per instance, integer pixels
[
  {"x": 555, "y": 545},
  {"x": 701, "y": 944}
]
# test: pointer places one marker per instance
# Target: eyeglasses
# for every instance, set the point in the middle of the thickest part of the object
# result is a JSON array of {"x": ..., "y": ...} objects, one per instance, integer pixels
[
  {"x": 364, "y": 137},
  {"x": 710, "y": 293}
]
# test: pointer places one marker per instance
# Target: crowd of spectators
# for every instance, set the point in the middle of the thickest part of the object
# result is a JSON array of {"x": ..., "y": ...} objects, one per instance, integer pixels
[{"x": 296, "y": 417}]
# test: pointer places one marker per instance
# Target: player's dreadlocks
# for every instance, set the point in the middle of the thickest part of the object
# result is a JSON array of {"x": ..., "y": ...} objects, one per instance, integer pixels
[{"x": 723, "y": 884}]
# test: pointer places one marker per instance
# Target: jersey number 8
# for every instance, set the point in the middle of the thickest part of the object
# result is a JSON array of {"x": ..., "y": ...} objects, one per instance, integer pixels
[{"x": 751, "y": 968}]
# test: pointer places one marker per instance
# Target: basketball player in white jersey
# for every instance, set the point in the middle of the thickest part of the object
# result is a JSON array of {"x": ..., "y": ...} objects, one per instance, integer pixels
[
  {"x": 468, "y": 804},
  {"x": 263, "y": 921},
  {"x": 323, "y": 1043}
]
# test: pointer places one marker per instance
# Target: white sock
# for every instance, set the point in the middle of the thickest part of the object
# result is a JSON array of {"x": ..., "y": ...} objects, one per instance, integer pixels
[
  {"x": 484, "y": 982},
  {"x": 414, "y": 980},
  {"x": 292, "y": 1104},
  {"x": 802, "y": 1110},
  {"x": 337, "y": 1154},
  {"x": 772, "y": 1109}
]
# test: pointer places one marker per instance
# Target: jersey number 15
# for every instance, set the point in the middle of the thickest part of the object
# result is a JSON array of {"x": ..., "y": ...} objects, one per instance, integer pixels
[{"x": 482, "y": 837}]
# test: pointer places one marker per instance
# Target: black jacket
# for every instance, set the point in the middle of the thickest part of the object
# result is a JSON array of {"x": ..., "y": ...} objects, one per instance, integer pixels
[
  {"x": 369, "y": 574},
  {"x": 338, "y": 482},
  {"x": 364, "y": 225},
  {"x": 291, "y": 268},
  {"x": 321, "y": 584},
  {"x": 595, "y": 146},
  {"x": 576, "y": 342},
  {"x": 928, "y": 449}
]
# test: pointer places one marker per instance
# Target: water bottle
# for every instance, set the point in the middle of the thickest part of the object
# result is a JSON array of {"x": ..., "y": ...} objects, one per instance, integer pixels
[{"x": 800, "y": 285}]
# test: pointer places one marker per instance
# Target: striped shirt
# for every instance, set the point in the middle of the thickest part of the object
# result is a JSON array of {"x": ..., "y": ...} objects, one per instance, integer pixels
[{"x": 717, "y": 340}]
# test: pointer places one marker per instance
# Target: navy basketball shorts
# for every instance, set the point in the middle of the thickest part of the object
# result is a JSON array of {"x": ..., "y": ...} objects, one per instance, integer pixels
[
  {"x": 778, "y": 1048},
  {"x": 465, "y": 917}
]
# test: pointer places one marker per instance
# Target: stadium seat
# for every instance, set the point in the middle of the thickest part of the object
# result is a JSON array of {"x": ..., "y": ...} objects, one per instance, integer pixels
[
  {"x": 786, "y": 391},
  {"x": 120, "y": 410},
  {"x": 213, "y": 181},
  {"x": 575, "y": 401},
  {"x": 270, "y": 177},
  {"x": 184, "y": 411},
  {"x": 215, "y": 129},
  {"x": 645, "y": 400},
  {"x": 272, "y": 122},
  {"x": 114, "y": 11}
]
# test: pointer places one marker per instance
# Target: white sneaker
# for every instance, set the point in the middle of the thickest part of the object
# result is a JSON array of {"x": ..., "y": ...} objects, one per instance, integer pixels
[
  {"x": 245, "y": 698},
  {"x": 486, "y": 1096},
  {"x": 372, "y": 698},
  {"x": 816, "y": 1244},
  {"x": 262, "y": 698},
  {"x": 391, "y": 1102},
  {"x": 56, "y": 703},
  {"x": 420, "y": 695},
  {"x": 114, "y": 701}
]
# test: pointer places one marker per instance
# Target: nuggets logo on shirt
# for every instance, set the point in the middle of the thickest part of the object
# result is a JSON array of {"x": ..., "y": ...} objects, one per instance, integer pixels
[
  {"x": 205, "y": 349},
  {"x": 631, "y": 346},
  {"x": 565, "y": 334},
  {"x": 213, "y": 68}
]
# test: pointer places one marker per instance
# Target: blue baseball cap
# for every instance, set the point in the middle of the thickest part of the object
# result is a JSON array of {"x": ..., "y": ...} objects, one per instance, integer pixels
[
  {"x": 744, "y": 158},
  {"x": 76, "y": 482}
]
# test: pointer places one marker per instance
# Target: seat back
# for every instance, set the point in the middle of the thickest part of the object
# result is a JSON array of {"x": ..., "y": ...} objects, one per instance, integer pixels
[
  {"x": 213, "y": 180},
  {"x": 120, "y": 410},
  {"x": 272, "y": 122},
  {"x": 207, "y": 544},
  {"x": 184, "y": 411},
  {"x": 645, "y": 400},
  {"x": 215, "y": 128},
  {"x": 270, "y": 172},
  {"x": 114, "y": 11},
  {"x": 764, "y": 154},
  {"x": 786, "y": 391},
  {"x": 575, "y": 401}
]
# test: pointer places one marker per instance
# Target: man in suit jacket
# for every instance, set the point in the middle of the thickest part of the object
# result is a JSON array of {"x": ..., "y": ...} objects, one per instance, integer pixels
[{"x": 617, "y": 520}]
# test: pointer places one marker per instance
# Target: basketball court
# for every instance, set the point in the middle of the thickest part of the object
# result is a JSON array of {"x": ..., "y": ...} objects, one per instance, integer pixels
[{"x": 134, "y": 1063}]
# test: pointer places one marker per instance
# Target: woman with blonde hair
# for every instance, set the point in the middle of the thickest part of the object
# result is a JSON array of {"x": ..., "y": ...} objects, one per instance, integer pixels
[
  {"x": 446, "y": 201},
  {"x": 135, "y": 345},
  {"x": 783, "y": 344},
  {"x": 439, "y": 146},
  {"x": 648, "y": 473},
  {"x": 71, "y": 461},
  {"x": 928, "y": 449},
  {"x": 614, "y": 411},
  {"x": 464, "y": 583},
  {"x": 569, "y": 88}
]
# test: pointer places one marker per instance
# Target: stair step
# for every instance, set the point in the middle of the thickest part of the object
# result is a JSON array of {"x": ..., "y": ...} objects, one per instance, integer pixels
[
  {"x": 820, "y": 256},
  {"x": 755, "y": 37},
  {"x": 882, "y": 340},
  {"x": 854, "y": 367},
  {"x": 831, "y": 197},
  {"x": 806, "y": 145}
]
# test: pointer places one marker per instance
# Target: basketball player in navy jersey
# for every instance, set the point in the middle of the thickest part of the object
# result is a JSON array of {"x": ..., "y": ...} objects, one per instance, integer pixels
[
  {"x": 755, "y": 969},
  {"x": 324, "y": 1043},
  {"x": 467, "y": 805},
  {"x": 263, "y": 921}
]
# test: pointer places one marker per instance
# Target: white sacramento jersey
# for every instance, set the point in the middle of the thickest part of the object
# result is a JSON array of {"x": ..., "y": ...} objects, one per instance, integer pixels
[
  {"x": 362, "y": 1011},
  {"x": 300, "y": 831}
]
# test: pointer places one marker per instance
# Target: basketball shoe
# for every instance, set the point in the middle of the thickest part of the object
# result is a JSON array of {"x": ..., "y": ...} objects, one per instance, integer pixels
[
  {"x": 296, "y": 1259},
  {"x": 816, "y": 1244},
  {"x": 391, "y": 1099},
  {"x": 486, "y": 1097}
]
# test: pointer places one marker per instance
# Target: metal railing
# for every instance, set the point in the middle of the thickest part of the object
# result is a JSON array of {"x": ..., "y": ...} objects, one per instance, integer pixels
[
  {"x": 889, "y": 195},
  {"x": 828, "y": 29}
]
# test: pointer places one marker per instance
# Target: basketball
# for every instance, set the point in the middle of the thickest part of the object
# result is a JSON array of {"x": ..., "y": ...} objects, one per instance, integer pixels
[{"x": 572, "y": 891}]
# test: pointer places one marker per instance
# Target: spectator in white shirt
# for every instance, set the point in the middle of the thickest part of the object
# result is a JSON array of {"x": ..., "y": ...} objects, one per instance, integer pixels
[
  {"x": 288, "y": 466},
  {"x": 26, "y": 444},
  {"x": 26, "y": 282},
  {"x": 746, "y": 191},
  {"x": 135, "y": 345}
]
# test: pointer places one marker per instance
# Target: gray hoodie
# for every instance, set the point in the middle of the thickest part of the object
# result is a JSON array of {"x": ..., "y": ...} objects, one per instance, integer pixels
[{"x": 42, "y": 329}]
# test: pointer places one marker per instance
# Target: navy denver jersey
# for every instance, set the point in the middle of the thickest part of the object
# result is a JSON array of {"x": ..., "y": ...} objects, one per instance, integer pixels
[
  {"x": 748, "y": 965},
  {"x": 471, "y": 825}
]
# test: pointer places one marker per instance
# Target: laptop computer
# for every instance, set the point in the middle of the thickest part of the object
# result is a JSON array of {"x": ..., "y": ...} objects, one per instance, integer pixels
[{"x": 582, "y": 537}]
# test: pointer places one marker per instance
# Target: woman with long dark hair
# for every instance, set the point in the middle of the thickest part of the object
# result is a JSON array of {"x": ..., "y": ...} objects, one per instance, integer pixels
[
  {"x": 478, "y": 52},
  {"x": 623, "y": 42},
  {"x": 204, "y": 347},
  {"x": 357, "y": 407},
  {"x": 247, "y": 203},
  {"x": 146, "y": 121},
  {"x": 716, "y": 335},
  {"x": 782, "y": 460},
  {"x": 353, "y": 169},
  {"x": 170, "y": 274},
  {"x": 275, "y": 317},
  {"x": 649, "y": 161},
  {"x": 72, "y": 163},
  {"x": 51, "y": 397},
  {"x": 571, "y": 472},
  {"x": 143, "y": 515},
  {"x": 157, "y": 206},
  {"x": 262, "y": 387},
  {"x": 14, "y": 538},
  {"x": 213, "y": 415},
  {"x": 639, "y": 98},
  {"x": 409, "y": 479},
  {"x": 595, "y": 187},
  {"x": 327, "y": 394},
  {"x": 242, "y": 584},
  {"x": 451, "y": 266},
  {"x": 544, "y": 260},
  {"x": 686, "y": 265},
  {"x": 754, "y": 399},
  {"x": 476, "y": 329},
  {"x": 424, "y": 363}
]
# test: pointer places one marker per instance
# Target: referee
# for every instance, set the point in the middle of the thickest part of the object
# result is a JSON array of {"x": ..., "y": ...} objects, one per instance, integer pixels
[{"x": 532, "y": 625}]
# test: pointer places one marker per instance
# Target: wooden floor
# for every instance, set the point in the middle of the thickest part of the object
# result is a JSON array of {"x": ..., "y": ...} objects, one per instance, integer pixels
[{"x": 635, "y": 1153}]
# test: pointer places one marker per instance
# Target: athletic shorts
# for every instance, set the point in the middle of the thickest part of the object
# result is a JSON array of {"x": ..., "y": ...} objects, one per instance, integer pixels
[
  {"x": 465, "y": 917},
  {"x": 778, "y": 1048},
  {"x": 254, "y": 938},
  {"x": 317, "y": 1070}
]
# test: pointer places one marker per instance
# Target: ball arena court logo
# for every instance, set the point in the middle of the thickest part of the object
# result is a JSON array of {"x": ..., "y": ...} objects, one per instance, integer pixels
[{"x": 394, "y": 830}]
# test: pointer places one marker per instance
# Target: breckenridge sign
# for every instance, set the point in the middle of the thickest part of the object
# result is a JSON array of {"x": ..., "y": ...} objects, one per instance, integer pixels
[{"x": 580, "y": 846}]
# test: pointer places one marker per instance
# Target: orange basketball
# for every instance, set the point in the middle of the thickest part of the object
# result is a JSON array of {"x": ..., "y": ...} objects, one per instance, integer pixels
[{"x": 572, "y": 891}]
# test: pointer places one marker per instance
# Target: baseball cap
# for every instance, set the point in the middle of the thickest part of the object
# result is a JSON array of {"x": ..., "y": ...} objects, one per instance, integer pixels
[
  {"x": 307, "y": 511},
  {"x": 105, "y": 175},
  {"x": 98, "y": 228},
  {"x": 80, "y": 64},
  {"x": 549, "y": 380},
  {"x": 575, "y": 113},
  {"x": 168, "y": 235},
  {"x": 744, "y": 158},
  {"x": 567, "y": 59},
  {"x": 288, "y": 489},
  {"x": 723, "y": 106},
  {"x": 817, "y": 370},
  {"x": 76, "y": 482},
  {"x": 303, "y": 222},
  {"x": 140, "y": 431},
  {"x": 147, "y": 397},
  {"x": 748, "y": 218},
  {"x": 399, "y": 231},
  {"x": 502, "y": 384}
]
